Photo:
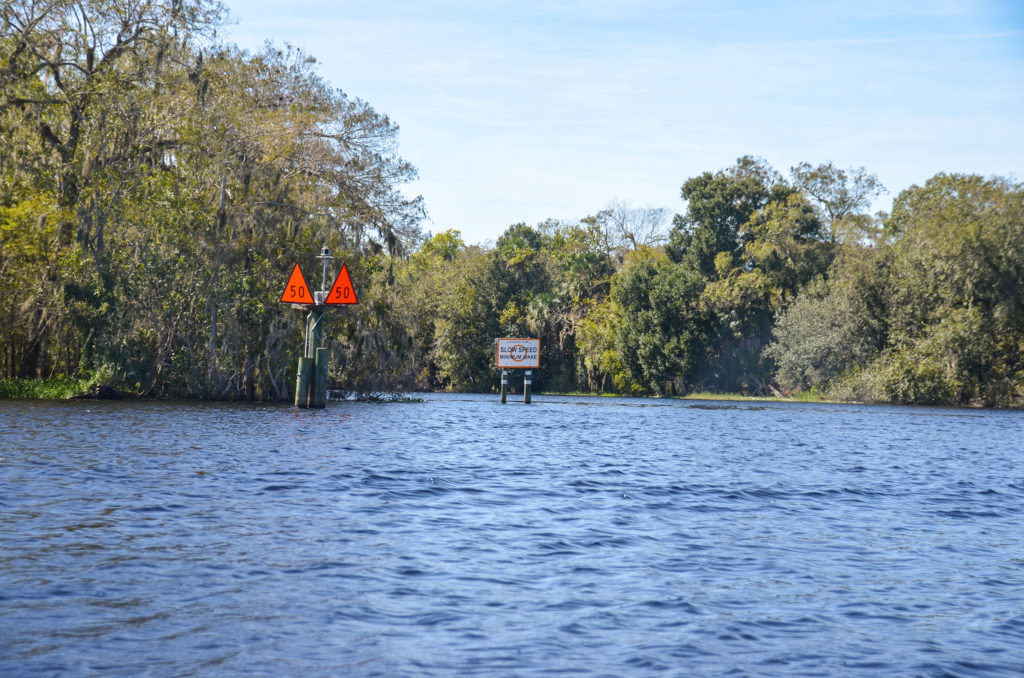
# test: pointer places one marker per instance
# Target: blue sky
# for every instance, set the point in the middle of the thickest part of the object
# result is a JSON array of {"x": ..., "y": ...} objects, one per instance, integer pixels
[{"x": 528, "y": 110}]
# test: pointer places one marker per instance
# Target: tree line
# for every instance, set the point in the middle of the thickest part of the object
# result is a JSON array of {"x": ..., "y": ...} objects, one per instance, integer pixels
[{"x": 157, "y": 187}]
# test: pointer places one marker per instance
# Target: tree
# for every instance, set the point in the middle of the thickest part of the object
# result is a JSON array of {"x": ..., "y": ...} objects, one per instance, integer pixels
[
  {"x": 660, "y": 339},
  {"x": 932, "y": 314},
  {"x": 844, "y": 198},
  {"x": 161, "y": 184},
  {"x": 958, "y": 272},
  {"x": 89, "y": 72},
  {"x": 624, "y": 228},
  {"x": 444, "y": 246},
  {"x": 600, "y": 368},
  {"x": 754, "y": 241},
  {"x": 827, "y": 333},
  {"x": 718, "y": 205},
  {"x": 786, "y": 243},
  {"x": 82, "y": 85},
  {"x": 465, "y": 322},
  {"x": 580, "y": 273}
]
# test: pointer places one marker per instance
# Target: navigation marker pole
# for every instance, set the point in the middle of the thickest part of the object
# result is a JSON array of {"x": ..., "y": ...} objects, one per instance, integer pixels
[
  {"x": 311, "y": 380},
  {"x": 527, "y": 386},
  {"x": 315, "y": 351},
  {"x": 504, "y": 385}
]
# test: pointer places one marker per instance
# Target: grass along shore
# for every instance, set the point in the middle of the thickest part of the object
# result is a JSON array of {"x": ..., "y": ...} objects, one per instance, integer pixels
[
  {"x": 44, "y": 389},
  {"x": 65, "y": 388}
]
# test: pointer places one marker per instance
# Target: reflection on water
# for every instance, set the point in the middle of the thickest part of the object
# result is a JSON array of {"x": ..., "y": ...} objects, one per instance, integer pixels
[{"x": 457, "y": 536}]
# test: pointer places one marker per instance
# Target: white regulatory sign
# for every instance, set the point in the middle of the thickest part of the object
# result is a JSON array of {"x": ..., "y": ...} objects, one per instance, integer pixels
[{"x": 518, "y": 353}]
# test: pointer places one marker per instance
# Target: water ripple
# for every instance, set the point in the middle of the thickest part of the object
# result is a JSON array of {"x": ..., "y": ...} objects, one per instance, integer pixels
[{"x": 607, "y": 537}]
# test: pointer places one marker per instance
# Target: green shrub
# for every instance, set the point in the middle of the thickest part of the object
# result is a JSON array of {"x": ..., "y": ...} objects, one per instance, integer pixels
[{"x": 43, "y": 389}]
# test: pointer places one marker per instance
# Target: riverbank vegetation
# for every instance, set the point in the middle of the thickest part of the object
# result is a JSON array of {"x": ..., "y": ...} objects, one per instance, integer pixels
[
  {"x": 156, "y": 186},
  {"x": 58, "y": 388}
]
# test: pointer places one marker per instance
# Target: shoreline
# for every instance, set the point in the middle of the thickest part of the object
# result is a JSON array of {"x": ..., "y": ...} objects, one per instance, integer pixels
[{"x": 85, "y": 389}]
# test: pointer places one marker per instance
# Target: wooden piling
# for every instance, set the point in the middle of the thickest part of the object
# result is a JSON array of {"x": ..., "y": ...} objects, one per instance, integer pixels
[
  {"x": 311, "y": 382},
  {"x": 302, "y": 382},
  {"x": 318, "y": 394}
]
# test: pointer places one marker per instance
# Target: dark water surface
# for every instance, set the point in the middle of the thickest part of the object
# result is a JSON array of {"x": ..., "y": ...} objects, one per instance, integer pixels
[{"x": 457, "y": 536}]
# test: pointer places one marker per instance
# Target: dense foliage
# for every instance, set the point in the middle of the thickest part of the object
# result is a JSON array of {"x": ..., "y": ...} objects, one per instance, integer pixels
[
  {"x": 156, "y": 188},
  {"x": 932, "y": 313}
]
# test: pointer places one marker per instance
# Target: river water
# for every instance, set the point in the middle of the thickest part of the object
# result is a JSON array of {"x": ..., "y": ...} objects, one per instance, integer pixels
[{"x": 459, "y": 537}]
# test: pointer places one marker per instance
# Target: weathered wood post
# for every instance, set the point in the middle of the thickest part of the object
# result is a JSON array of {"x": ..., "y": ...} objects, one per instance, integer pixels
[
  {"x": 302, "y": 382},
  {"x": 316, "y": 355},
  {"x": 319, "y": 395},
  {"x": 504, "y": 386},
  {"x": 308, "y": 386},
  {"x": 527, "y": 386}
]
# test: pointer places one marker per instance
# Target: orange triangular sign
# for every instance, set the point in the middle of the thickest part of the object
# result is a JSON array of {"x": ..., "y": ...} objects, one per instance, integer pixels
[
  {"x": 342, "y": 291},
  {"x": 296, "y": 290}
]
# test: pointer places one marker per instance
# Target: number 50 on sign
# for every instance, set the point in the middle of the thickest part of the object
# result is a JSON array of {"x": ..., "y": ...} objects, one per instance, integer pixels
[{"x": 518, "y": 353}]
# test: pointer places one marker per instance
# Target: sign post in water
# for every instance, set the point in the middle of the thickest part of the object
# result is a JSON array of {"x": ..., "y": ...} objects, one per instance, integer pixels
[
  {"x": 513, "y": 353},
  {"x": 311, "y": 380}
]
